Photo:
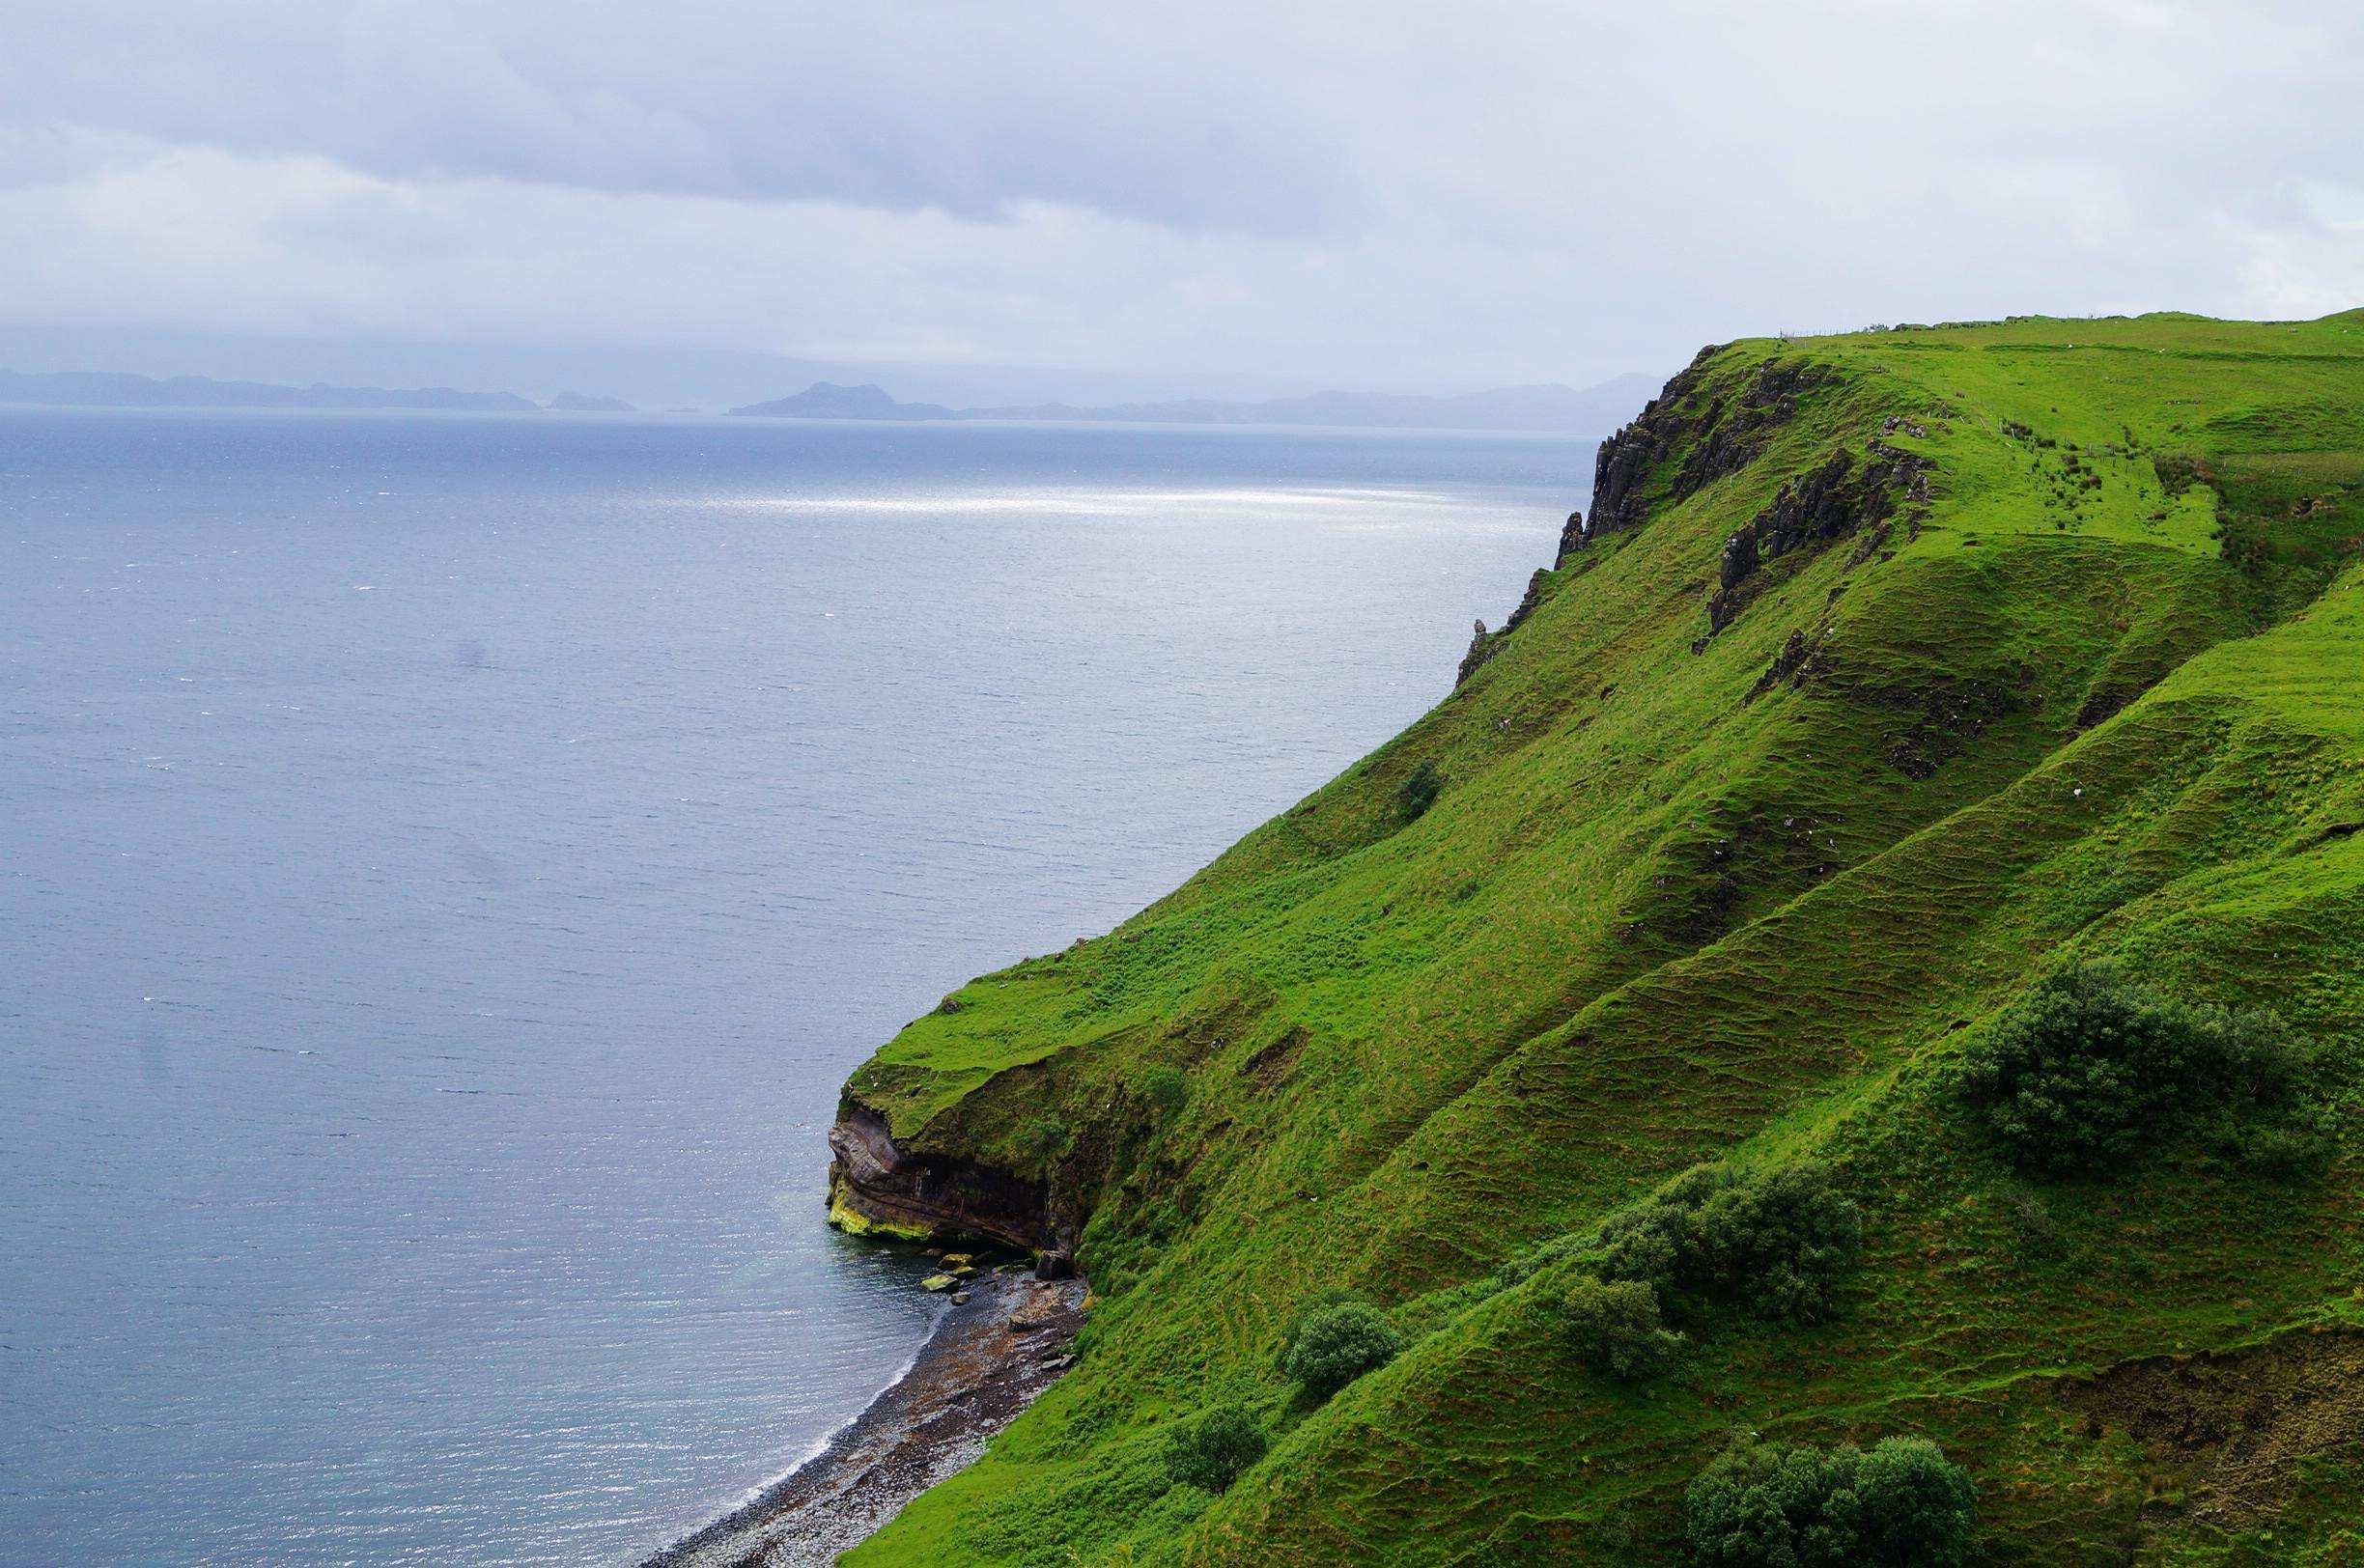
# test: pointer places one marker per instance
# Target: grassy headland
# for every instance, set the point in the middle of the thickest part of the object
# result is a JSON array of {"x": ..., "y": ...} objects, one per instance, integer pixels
[{"x": 1896, "y": 672}]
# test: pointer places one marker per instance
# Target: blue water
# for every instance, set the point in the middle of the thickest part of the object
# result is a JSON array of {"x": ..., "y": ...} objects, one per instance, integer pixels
[{"x": 447, "y": 865}]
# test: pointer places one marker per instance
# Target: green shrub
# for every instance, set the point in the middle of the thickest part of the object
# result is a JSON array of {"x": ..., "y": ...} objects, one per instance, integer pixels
[
  {"x": 1418, "y": 791},
  {"x": 1334, "y": 1345},
  {"x": 2301, "y": 1148},
  {"x": 1613, "y": 1326},
  {"x": 1210, "y": 1452},
  {"x": 1774, "y": 1240},
  {"x": 2088, "y": 1071},
  {"x": 1902, "y": 1506}
]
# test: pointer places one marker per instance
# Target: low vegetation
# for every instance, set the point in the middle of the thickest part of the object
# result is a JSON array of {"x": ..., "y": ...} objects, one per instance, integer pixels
[
  {"x": 1167, "y": 1091},
  {"x": 1613, "y": 1326},
  {"x": 1774, "y": 1241},
  {"x": 1419, "y": 792}
]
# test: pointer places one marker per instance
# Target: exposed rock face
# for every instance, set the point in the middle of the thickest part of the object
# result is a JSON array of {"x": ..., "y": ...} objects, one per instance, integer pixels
[
  {"x": 1571, "y": 539},
  {"x": 1789, "y": 664},
  {"x": 1528, "y": 601},
  {"x": 1840, "y": 497},
  {"x": 878, "y": 1186},
  {"x": 1728, "y": 442},
  {"x": 1623, "y": 462},
  {"x": 1480, "y": 649},
  {"x": 1722, "y": 438}
]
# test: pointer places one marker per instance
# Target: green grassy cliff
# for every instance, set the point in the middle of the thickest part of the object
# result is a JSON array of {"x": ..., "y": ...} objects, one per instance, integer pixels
[{"x": 1893, "y": 673}]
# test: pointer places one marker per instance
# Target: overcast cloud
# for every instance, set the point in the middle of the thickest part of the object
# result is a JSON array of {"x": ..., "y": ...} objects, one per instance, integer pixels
[{"x": 1440, "y": 197}]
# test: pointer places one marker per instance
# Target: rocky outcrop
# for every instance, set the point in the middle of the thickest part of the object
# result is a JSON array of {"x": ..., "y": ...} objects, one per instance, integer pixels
[
  {"x": 1484, "y": 644},
  {"x": 1571, "y": 539},
  {"x": 1731, "y": 439},
  {"x": 877, "y": 1188},
  {"x": 1789, "y": 664},
  {"x": 1622, "y": 469},
  {"x": 1480, "y": 649},
  {"x": 1718, "y": 435},
  {"x": 1841, "y": 496}
]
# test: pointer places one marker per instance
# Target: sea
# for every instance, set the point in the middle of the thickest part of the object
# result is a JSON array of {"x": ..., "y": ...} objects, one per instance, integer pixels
[{"x": 449, "y": 863}]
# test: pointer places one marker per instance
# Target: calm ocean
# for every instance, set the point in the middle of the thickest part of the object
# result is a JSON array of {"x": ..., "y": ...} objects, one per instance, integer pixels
[{"x": 447, "y": 865}]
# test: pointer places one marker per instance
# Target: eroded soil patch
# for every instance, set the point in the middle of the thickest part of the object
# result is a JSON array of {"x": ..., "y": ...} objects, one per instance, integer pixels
[{"x": 2228, "y": 1431}]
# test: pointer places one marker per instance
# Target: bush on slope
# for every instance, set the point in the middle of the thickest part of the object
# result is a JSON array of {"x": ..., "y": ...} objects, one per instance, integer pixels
[
  {"x": 1775, "y": 1240},
  {"x": 2091, "y": 1070},
  {"x": 1902, "y": 1506}
]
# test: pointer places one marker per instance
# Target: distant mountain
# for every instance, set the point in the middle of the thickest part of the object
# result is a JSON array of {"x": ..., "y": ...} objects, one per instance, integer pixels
[
  {"x": 826, "y": 400},
  {"x": 114, "y": 389},
  {"x": 575, "y": 402},
  {"x": 1547, "y": 407}
]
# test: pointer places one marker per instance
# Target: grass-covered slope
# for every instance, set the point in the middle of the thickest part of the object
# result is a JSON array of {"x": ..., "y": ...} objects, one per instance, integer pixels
[{"x": 1898, "y": 671}]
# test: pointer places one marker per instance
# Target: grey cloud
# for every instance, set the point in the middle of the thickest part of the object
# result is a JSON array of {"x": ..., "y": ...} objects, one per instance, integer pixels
[
  {"x": 1399, "y": 195},
  {"x": 903, "y": 104}
]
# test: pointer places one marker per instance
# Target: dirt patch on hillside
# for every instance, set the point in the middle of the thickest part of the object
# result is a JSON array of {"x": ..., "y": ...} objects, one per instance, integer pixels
[{"x": 2230, "y": 1429}]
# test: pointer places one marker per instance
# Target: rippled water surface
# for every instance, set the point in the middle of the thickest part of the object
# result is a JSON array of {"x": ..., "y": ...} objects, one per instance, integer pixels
[{"x": 447, "y": 866}]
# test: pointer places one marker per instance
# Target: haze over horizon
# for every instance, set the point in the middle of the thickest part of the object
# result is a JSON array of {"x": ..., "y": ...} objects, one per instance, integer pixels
[{"x": 971, "y": 204}]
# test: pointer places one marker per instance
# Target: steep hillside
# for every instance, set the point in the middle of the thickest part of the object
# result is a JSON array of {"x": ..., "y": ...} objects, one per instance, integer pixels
[{"x": 1891, "y": 674}]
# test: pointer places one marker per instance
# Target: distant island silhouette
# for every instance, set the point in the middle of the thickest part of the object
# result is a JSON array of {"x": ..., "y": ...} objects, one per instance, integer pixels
[
  {"x": 1547, "y": 407},
  {"x": 1543, "y": 407},
  {"x": 120, "y": 389}
]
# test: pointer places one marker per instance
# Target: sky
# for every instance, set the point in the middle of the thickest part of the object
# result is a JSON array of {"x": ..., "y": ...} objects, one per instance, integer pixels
[{"x": 1034, "y": 196}]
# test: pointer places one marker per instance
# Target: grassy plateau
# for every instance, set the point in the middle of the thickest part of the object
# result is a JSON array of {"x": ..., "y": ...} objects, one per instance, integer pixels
[{"x": 1900, "y": 672}]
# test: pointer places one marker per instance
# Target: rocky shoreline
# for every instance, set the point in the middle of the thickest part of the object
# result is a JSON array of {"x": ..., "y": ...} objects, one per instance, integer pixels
[{"x": 1000, "y": 1343}]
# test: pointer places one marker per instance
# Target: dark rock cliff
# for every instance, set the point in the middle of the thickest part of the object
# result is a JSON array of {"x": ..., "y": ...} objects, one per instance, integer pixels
[
  {"x": 1719, "y": 436},
  {"x": 877, "y": 1188},
  {"x": 1841, "y": 496}
]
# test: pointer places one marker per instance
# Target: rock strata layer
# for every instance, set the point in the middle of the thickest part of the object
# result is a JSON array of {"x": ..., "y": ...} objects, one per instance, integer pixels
[{"x": 878, "y": 1187}]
